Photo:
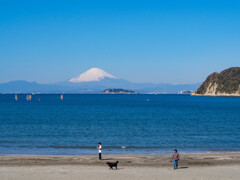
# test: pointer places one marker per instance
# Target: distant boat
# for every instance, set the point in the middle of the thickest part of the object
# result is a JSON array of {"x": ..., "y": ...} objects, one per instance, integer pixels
[
  {"x": 16, "y": 97},
  {"x": 39, "y": 97},
  {"x": 61, "y": 97}
]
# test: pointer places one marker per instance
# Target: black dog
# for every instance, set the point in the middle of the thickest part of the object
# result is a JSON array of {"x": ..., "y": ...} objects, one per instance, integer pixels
[{"x": 111, "y": 165}]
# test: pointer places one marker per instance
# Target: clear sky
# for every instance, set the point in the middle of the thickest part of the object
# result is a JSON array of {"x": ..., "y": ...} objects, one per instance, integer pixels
[{"x": 179, "y": 41}]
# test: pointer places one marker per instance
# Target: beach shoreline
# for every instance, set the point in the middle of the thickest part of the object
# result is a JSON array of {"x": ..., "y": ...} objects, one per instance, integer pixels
[
  {"x": 156, "y": 160},
  {"x": 196, "y": 166}
]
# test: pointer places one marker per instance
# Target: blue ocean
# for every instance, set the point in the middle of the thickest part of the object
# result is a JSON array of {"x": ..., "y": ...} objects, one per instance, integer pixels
[{"x": 125, "y": 124}]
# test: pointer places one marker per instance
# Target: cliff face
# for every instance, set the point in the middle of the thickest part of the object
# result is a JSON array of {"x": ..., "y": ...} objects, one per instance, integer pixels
[{"x": 226, "y": 83}]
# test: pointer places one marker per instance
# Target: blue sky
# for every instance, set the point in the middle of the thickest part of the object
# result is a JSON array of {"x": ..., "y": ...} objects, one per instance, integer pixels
[{"x": 141, "y": 41}]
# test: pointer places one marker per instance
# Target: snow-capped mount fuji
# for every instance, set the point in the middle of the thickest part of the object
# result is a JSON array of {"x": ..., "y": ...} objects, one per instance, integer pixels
[
  {"x": 93, "y": 74},
  {"x": 93, "y": 81}
]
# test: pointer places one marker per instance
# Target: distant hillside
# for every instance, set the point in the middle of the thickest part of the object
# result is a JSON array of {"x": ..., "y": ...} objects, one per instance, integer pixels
[
  {"x": 226, "y": 83},
  {"x": 118, "y": 91},
  {"x": 96, "y": 87}
]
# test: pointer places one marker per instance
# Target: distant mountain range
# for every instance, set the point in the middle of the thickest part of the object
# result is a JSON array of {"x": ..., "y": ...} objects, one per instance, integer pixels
[{"x": 92, "y": 81}]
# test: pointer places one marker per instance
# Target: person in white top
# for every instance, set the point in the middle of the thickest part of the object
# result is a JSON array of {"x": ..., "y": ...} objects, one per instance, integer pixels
[{"x": 100, "y": 150}]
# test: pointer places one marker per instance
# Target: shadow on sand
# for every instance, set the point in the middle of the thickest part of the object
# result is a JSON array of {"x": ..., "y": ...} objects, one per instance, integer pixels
[
  {"x": 116, "y": 169},
  {"x": 182, "y": 167}
]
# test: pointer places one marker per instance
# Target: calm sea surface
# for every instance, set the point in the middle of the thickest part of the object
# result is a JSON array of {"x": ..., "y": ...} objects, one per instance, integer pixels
[{"x": 123, "y": 123}]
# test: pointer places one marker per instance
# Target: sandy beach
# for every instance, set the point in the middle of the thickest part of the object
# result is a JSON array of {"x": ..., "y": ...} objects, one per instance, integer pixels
[{"x": 192, "y": 166}]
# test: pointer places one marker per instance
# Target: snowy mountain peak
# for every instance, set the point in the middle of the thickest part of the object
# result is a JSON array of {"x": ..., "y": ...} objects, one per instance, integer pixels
[{"x": 93, "y": 74}]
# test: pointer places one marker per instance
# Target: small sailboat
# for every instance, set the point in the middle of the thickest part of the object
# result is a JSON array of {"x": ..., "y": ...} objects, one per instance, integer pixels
[
  {"x": 29, "y": 97},
  {"x": 16, "y": 97},
  {"x": 61, "y": 97}
]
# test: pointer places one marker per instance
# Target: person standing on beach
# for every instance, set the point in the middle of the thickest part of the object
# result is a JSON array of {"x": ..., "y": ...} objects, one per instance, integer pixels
[
  {"x": 100, "y": 150},
  {"x": 175, "y": 158}
]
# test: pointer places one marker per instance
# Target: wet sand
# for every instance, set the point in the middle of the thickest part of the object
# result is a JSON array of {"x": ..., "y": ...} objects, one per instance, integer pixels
[{"x": 192, "y": 166}]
